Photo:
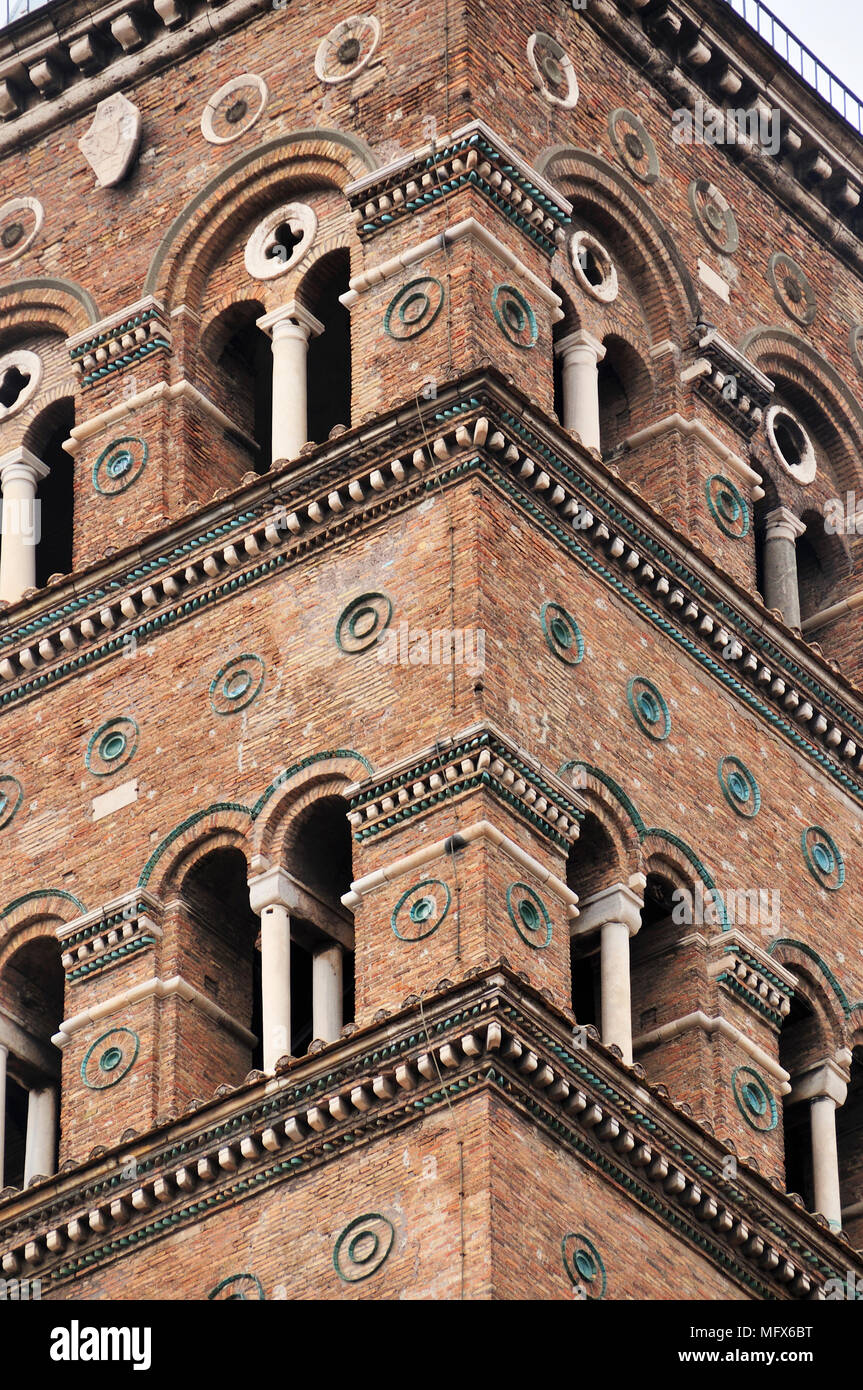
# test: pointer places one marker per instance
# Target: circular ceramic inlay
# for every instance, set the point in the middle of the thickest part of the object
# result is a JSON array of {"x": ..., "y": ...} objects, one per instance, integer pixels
[
  {"x": 110, "y": 1058},
  {"x": 754, "y": 1099},
  {"x": 363, "y": 622},
  {"x": 739, "y": 787},
  {"x": 234, "y": 108},
  {"x": 420, "y": 910},
  {"x": 529, "y": 915},
  {"x": 238, "y": 1288},
  {"x": 280, "y": 241},
  {"x": 791, "y": 288},
  {"x": 20, "y": 223},
  {"x": 790, "y": 443},
  {"x": 714, "y": 215},
  {"x": 20, "y": 379},
  {"x": 237, "y": 684},
  {"x": 583, "y": 1264},
  {"x": 119, "y": 465},
  {"x": 514, "y": 316},
  {"x": 363, "y": 1246},
  {"x": 727, "y": 506},
  {"x": 553, "y": 73},
  {"x": 593, "y": 267},
  {"x": 562, "y": 633},
  {"x": 633, "y": 146},
  {"x": 823, "y": 858},
  {"x": 648, "y": 708},
  {"x": 414, "y": 308},
  {"x": 11, "y": 796},
  {"x": 112, "y": 746},
  {"x": 348, "y": 48}
]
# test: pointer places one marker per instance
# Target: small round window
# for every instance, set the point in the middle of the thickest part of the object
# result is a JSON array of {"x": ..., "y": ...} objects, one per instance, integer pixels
[
  {"x": 593, "y": 267},
  {"x": 790, "y": 443}
]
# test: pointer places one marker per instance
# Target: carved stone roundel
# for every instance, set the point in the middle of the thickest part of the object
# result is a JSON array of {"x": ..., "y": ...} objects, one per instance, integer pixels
[
  {"x": 280, "y": 241},
  {"x": 20, "y": 379},
  {"x": 234, "y": 108},
  {"x": 553, "y": 72},
  {"x": 20, "y": 222},
  {"x": 348, "y": 48}
]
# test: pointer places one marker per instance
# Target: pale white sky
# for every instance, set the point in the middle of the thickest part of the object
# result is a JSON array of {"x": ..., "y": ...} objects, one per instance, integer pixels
[{"x": 833, "y": 29}]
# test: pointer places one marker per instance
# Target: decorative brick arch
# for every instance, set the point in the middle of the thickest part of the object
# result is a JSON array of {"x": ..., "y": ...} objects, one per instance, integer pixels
[
  {"x": 613, "y": 810},
  {"x": 662, "y": 851},
  {"x": 45, "y": 306},
  {"x": 224, "y": 825},
  {"x": 806, "y": 964},
  {"x": 668, "y": 297},
  {"x": 779, "y": 351},
  {"x": 279, "y": 169},
  {"x": 312, "y": 779},
  {"x": 33, "y": 915}
]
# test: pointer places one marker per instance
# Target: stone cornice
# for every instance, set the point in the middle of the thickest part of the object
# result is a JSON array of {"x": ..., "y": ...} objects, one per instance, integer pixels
[
  {"x": 121, "y": 341},
  {"x": 474, "y": 426},
  {"x": 481, "y": 757},
  {"x": 62, "y": 59},
  {"x": 476, "y": 157},
  {"x": 489, "y": 1034},
  {"x": 730, "y": 382},
  {"x": 692, "y": 49},
  {"x": 751, "y": 976}
]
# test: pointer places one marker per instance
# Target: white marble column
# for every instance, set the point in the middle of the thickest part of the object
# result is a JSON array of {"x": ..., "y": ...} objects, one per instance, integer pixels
[
  {"x": 290, "y": 327},
  {"x": 580, "y": 355},
  {"x": 20, "y": 472},
  {"x": 825, "y": 1086},
  {"x": 4, "y": 1053},
  {"x": 327, "y": 986},
  {"x": 616, "y": 914},
  {"x": 782, "y": 528},
  {"x": 267, "y": 895},
  {"x": 40, "y": 1154}
]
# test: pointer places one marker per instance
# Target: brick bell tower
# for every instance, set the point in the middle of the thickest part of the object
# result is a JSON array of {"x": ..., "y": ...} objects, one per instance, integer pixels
[{"x": 431, "y": 738}]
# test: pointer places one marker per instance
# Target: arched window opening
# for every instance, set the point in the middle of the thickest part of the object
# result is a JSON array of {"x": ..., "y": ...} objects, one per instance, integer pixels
[
  {"x": 801, "y": 1045},
  {"x": 329, "y": 352},
  {"x": 215, "y": 895},
  {"x": 245, "y": 362},
  {"x": 761, "y": 510},
  {"x": 319, "y": 861},
  {"x": 653, "y": 963},
  {"x": 822, "y": 561},
  {"x": 625, "y": 393},
  {"x": 591, "y": 866},
  {"x": 849, "y": 1140},
  {"x": 56, "y": 492},
  {"x": 31, "y": 1011}
]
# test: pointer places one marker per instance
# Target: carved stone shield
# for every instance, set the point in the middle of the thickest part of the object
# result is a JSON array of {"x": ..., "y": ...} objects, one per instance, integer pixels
[{"x": 111, "y": 144}]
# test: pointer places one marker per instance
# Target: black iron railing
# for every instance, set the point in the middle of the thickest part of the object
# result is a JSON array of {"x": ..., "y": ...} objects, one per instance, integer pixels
[
  {"x": 10, "y": 10},
  {"x": 804, "y": 62}
]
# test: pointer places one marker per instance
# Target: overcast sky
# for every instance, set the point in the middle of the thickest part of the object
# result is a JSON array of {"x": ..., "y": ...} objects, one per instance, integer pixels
[{"x": 833, "y": 29}]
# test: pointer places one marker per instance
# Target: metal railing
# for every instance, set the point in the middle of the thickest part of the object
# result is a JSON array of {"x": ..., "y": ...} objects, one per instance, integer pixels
[
  {"x": 804, "y": 62},
  {"x": 10, "y": 10}
]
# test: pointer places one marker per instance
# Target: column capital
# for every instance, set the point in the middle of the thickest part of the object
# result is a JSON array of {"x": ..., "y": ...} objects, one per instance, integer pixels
[
  {"x": 582, "y": 343},
  {"x": 272, "y": 889},
  {"x": 824, "y": 1080},
  {"x": 288, "y": 318},
  {"x": 19, "y": 464},
  {"x": 783, "y": 525},
  {"x": 618, "y": 903}
]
